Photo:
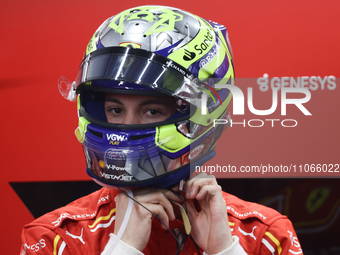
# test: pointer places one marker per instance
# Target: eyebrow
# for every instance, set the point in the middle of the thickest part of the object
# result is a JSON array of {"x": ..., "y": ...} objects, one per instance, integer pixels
[{"x": 113, "y": 100}]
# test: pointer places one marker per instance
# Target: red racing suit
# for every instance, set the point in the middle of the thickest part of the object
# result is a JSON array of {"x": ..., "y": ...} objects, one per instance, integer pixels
[{"x": 83, "y": 228}]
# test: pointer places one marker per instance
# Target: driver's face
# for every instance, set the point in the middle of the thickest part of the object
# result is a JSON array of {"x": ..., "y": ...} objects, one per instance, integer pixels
[{"x": 136, "y": 109}]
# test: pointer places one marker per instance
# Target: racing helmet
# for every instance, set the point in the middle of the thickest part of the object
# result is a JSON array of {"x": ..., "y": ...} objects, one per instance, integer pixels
[{"x": 152, "y": 50}]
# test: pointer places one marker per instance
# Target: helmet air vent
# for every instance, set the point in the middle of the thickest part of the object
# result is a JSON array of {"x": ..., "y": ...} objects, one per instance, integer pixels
[
  {"x": 98, "y": 134},
  {"x": 138, "y": 137}
]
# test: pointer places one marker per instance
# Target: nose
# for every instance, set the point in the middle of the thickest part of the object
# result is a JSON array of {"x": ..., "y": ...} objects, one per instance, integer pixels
[{"x": 131, "y": 118}]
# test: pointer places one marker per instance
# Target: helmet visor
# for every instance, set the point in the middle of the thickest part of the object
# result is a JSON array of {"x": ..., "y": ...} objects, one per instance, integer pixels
[{"x": 142, "y": 68}]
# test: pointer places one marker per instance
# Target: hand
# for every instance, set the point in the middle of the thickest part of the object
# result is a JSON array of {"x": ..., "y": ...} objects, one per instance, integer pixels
[
  {"x": 138, "y": 229},
  {"x": 210, "y": 227}
]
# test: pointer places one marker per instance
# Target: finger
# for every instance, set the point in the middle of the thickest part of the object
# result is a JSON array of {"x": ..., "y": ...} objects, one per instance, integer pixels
[
  {"x": 159, "y": 210},
  {"x": 208, "y": 190},
  {"x": 157, "y": 197},
  {"x": 143, "y": 191},
  {"x": 167, "y": 193},
  {"x": 202, "y": 177},
  {"x": 193, "y": 186},
  {"x": 171, "y": 195}
]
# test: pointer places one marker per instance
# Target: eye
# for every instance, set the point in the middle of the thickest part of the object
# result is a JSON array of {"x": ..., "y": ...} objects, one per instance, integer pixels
[
  {"x": 153, "y": 112},
  {"x": 116, "y": 110}
]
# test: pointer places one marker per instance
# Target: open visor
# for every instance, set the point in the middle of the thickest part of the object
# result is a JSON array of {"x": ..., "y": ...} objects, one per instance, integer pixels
[{"x": 142, "y": 68}]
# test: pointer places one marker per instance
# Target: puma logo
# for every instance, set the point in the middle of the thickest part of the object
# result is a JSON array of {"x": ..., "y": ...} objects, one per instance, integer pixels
[
  {"x": 248, "y": 234},
  {"x": 77, "y": 237}
]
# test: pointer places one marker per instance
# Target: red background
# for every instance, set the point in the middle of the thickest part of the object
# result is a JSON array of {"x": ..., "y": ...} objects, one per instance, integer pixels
[{"x": 42, "y": 40}]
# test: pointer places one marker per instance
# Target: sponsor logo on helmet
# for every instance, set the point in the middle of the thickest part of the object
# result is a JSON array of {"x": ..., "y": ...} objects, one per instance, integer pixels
[
  {"x": 205, "y": 44},
  {"x": 113, "y": 154},
  {"x": 216, "y": 26},
  {"x": 196, "y": 151},
  {"x": 118, "y": 138},
  {"x": 204, "y": 63},
  {"x": 116, "y": 177},
  {"x": 101, "y": 163},
  {"x": 173, "y": 65},
  {"x": 114, "y": 143},
  {"x": 131, "y": 44},
  {"x": 177, "y": 68},
  {"x": 118, "y": 168},
  {"x": 188, "y": 55}
]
